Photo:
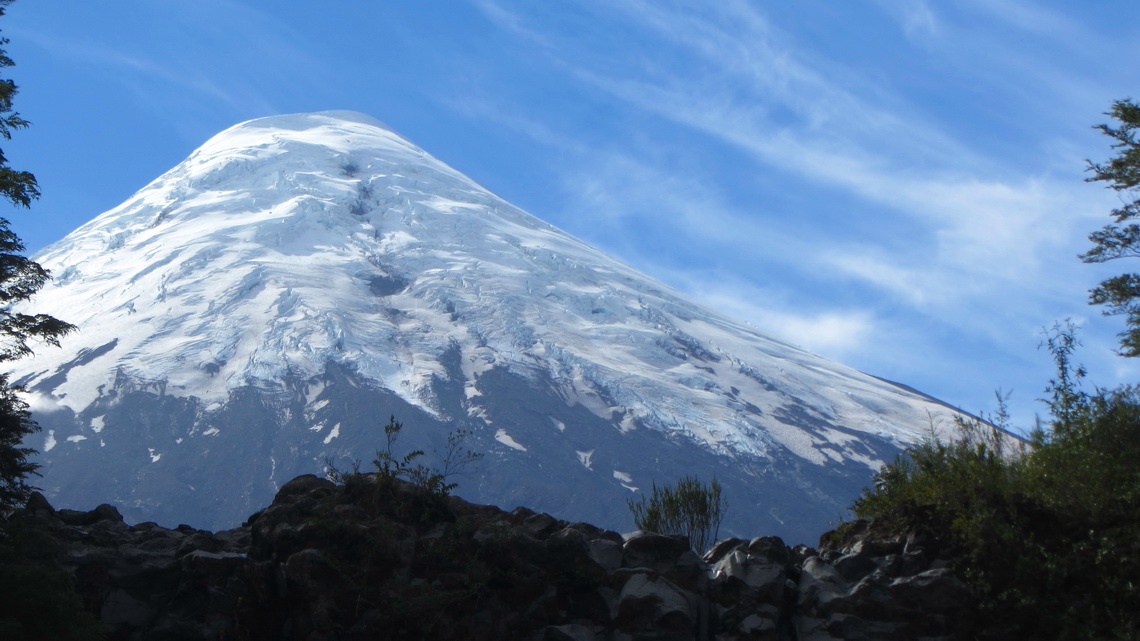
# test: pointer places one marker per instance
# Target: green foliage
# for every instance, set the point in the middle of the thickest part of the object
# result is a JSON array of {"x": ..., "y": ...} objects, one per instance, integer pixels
[
  {"x": 15, "y": 468},
  {"x": 1121, "y": 239},
  {"x": 691, "y": 509},
  {"x": 20, "y": 278},
  {"x": 17, "y": 186},
  {"x": 388, "y": 466},
  {"x": 1065, "y": 398},
  {"x": 454, "y": 459},
  {"x": 436, "y": 481},
  {"x": 965, "y": 476},
  {"x": 1049, "y": 539}
]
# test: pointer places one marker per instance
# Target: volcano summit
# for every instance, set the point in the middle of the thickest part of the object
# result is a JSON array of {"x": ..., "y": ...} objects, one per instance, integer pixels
[{"x": 271, "y": 300}]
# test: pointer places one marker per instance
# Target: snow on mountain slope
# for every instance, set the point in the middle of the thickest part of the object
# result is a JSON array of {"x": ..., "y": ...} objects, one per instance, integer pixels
[{"x": 290, "y": 245}]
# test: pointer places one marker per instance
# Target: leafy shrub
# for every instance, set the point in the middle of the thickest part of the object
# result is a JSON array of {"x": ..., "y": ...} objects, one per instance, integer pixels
[
  {"x": 1048, "y": 540},
  {"x": 691, "y": 509},
  {"x": 454, "y": 460},
  {"x": 968, "y": 476}
]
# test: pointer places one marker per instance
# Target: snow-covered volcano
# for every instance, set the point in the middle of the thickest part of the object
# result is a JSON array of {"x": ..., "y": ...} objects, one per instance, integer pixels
[{"x": 270, "y": 301}]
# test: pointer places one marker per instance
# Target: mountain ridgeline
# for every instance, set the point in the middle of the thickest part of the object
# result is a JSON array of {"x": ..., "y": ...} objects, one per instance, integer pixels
[{"x": 268, "y": 303}]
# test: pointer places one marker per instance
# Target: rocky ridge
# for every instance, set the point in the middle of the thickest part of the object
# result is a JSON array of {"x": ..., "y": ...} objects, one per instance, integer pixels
[{"x": 368, "y": 558}]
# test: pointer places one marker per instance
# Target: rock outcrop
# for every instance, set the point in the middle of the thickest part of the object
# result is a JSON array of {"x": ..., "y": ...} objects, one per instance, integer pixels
[{"x": 371, "y": 560}]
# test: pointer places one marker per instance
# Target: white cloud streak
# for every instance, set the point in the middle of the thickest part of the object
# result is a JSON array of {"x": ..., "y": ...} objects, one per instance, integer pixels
[
  {"x": 982, "y": 228},
  {"x": 968, "y": 237}
]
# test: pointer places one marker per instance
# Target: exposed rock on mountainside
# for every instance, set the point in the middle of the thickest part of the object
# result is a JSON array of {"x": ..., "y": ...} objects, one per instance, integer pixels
[
  {"x": 271, "y": 300},
  {"x": 368, "y": 560}
]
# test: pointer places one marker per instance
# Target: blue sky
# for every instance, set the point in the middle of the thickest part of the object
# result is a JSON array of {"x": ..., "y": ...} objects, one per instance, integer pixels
[{"x": 894, "y": 184}]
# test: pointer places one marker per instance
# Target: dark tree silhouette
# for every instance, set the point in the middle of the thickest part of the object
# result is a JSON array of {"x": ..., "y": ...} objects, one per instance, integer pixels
[
  {"x": 20, "y": 278},
  {"x": 1120, "y": 294}
]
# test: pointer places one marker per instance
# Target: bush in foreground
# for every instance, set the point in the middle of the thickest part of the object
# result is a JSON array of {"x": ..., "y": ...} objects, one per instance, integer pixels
[
  {"x": 691, "y": 509},
  {"x": 1049, "y": 539}
]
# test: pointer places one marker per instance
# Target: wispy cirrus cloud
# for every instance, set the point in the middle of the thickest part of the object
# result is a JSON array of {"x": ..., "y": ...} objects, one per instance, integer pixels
[
  {"x": 783, "y": 108},
  {"x": 840, "y": 334},
  {"x": 939, "y": 208}
]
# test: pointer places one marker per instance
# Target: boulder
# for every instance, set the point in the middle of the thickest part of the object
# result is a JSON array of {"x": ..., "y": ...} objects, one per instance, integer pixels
[
  {"x": 649, "y": 601},
  {"x": 301, "y": 485},
  {"x": 657, "y": 552}
]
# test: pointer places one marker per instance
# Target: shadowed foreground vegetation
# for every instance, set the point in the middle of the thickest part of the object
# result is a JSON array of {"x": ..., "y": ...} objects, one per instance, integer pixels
[{"x": 1048, "y": 537}]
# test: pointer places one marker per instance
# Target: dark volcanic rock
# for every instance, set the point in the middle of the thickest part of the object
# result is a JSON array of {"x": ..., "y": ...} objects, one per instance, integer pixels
[{"x": 375, "y": 559}]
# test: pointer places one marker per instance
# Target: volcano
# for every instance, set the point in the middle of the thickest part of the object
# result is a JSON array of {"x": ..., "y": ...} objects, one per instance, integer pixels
[{"x": 266, "y": 306}]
